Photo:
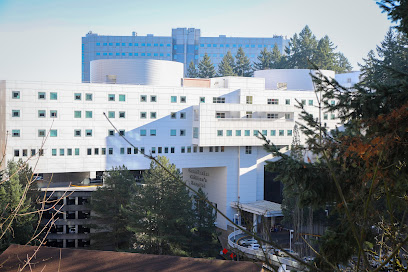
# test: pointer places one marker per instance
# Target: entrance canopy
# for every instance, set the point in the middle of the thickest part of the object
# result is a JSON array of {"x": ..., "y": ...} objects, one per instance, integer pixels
[{"x": 261, "y": 207}]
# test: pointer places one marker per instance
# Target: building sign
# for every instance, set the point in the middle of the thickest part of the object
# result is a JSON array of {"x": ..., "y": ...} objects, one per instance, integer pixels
[{"x": 198, "y": 177}]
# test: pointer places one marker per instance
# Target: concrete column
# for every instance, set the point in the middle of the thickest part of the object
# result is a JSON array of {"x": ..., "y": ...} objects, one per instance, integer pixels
[{"x": 255, "y": 223}]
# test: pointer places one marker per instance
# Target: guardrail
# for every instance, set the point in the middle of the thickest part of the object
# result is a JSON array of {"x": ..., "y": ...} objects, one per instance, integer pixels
[{"x": 260, "y": 254}]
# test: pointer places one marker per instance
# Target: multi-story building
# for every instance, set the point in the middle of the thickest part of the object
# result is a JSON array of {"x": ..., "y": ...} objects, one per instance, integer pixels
[
  {"x": 209, "y": 132},
  {"x": 184, "y": 45}
]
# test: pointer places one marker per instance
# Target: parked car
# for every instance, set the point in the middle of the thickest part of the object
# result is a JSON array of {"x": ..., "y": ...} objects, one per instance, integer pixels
[
  {"x": 247, "y": 242},
  {"x": 283, "y": 253},
  {"x": 254, "y": 246}
]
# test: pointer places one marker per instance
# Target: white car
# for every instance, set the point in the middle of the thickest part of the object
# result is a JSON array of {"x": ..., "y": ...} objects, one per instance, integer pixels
[
  {"x": 247, "y": 242},
  {"x": 255, "y": 246}
]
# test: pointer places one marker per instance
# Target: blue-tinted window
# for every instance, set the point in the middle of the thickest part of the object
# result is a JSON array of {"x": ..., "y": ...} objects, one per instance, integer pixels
[
  {"x": 252, "y": 55},
  {"x": 168, "y": 54},
  {"x": 239, "y": 45},
  {"x": 136, "y": 54},
  {"x": 149, "y": 44},
  {"x": 196, "y": 57},
  {"x": 201, "y": 45},
  {"x": 247, "y": 46},
  {"x": 196, "y": 47},
  {"x": 105, "y": 44},
  {"x": 214, "y": 55},
  {"x": 161, "y": 45},
  {"x": 130, "y": 44},
  {"x": 252, "y": 45},
  {"x": 168, "y": 45},
  {"x": 259, "y": 45},
  {"x": 201, "y": 55},
  {"x": 234, "y": 45},
  {"x": 149, "y": 54},
  {"x": 142, "y": 132},
  {"x": 117, "y": 54},
  {"x": 161, "y": 54},
  {"x": 130, "y": 54},
  {"x": 155, "y": 44},
  {"x": 136, "y": 44},
  {"x": 155, "y": 54},
  {"x": 221, "y": 55},
  {"x": 105, "y": 54},
  {"x": 208, "y": 45},
  {"x": 214, "y": 45},
  {"x": 221, "y": 45},
  {"x": 175, "y": 46},
  {"x": 123, "y": 54},
  {"x": 110, "y": 44},
  {"x": 123, "y": 44},
  {"x": 227, "y": 45},
  {"x": 98, "y": 44},
  {"x": 110, "y": 54},
  {"x": 143, "y": 44},
  {"x": 143, "y": 54},
  {"x": 98, "y": 54},
  {"x": 175, "y": 57},
  {"x": 117, "y": 44}
]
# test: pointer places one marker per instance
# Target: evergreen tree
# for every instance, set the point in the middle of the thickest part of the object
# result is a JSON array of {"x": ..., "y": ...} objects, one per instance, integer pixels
[
  {"x": 242, "y": 64},
  {"x": 108, "y": 205},
  {"x": 160, "y": 213},
  {"x": 192, "y": 71},
  {"x": 342, "y": 64},
  {"x": 206, "y": 68},
  {"x": 226, "y": 67},
  {"x": 324, "y": 56},
  {"x": 301, "y": 49},
  {"x": 264, "y": 59},
  {"x": 17, "y": 220},
  {"x": 277, "y": 60}
]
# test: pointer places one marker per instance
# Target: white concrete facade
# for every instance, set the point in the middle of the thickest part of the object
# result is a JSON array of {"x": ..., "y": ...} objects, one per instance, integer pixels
[{"x": 209, "y": 133}]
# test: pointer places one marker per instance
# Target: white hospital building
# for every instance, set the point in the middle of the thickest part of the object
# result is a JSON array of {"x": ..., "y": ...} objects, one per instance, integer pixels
[{"x": 206, "y": 127}]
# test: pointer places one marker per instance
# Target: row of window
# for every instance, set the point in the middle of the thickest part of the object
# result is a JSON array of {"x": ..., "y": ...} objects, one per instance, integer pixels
[
  {"x": 133, "y": 44},
  {"x": 247, "y": 132},
  {"x": 235, "y": 45},
  {"x": 132, "y": 54},
  {"x": 274, "y": 101}
]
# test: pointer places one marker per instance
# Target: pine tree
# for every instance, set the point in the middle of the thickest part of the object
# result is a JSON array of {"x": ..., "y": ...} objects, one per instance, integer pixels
[
  {"x": 277, "y": 60},
  {"x": 160, "y": 212},
  {"x": 342, "y": 64},
  {"x": 264, "y": 59},
  {"x": 206, "y": 68},
  {"x": 324, "y": 56},
  {"x": 226, "y": 67},
  {"x": 242, "y": 64},
  {"x": 108, "y": 205},
  {"x": 301, "y": 49},
  {"x": 192, "y": 71}
]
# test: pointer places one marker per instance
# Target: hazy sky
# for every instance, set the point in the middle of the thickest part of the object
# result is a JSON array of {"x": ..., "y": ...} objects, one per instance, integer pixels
[{"x": 41, "y": 39}]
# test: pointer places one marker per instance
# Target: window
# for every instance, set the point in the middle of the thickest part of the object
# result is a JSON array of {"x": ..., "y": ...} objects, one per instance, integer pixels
[
  {"x": 272, "y": 115},
  {"x": 166, "y": 150},
  {"x": 332, "y": 102},
  {"x": 77, "y": 96},
  {"x": 88, "y": 114},
  {"x": 173, "y": 115},
  {"x": 222, "y": 149},
  {"x": 122, "y": 132},
  {"x": 122, "y": 150},
  {"x": 202, "y": 99},
  {"x": 77, "y": 114},
  {"x": 142, "y": 132},
  {"x": 88, "y": 132},
  {"x": 111, "y": 114},
  {"x": 15, "y": 113},
  {"x": 143, "y": 98},
  {"x": 77, "y": 133},
  {"x": 15, "y": 94},
  {"x": 182, "y": 132},
  {"x": 183, "y": 99},
  {"x": 89, "y": 151},
  {"x": 247, "y": 133},
  {"x": 103, "y": 151},
  {"x": 238, "y": 132},
  {"x": 182, "y": 115},
  {"x": 53, "y": 96},
  {"x": 195, "y": 132},
  {"x": 183, "y": 149},
  {"x": 153, "y": 150},
  {"x": 220, "y": 132},
  {"x": 76, "y": 151},
  {"x": 249, "y": 99},
  {"x": 69, "y": 151},
  {"x": 62, "y": 152},
  {"x": 41, "y": 95},
  {"x": 281, "y": 133},
  {"x": 273, "y": 132},
  {"x": 53, "y": 133},
  {"x": 273, "y": 101},
  {"x": 173, "y": 132},
  {"x": 142, "y": 150},
  {"x": 248, "y": 150},
  {"x": 282, "y": 85},
  {"x": 288, "y": 116},
  {"x": 54, "y": 152},
  {"x": 143, "y": 115},
  {"x": 287, "y": 101},
  {"x": 152, "y": 132},
  {"x": 289, "y": 132},
  {"x": 172, "y": 149},
  {"x": 256, "y": 132},
  {"x": 15, "y": 133},
  {"x": 201, "y": 149},
  {"x": 111, "y": 132},
  {"x": 173, "y": 99},
  {"x": 332, "y": 116},
  {"x": 88, "y": 97},
  {"x": 153, "y": 98},
  {"x": 41, "y": 113},
  {"x": 32, "y": 152},
  {"x": 111, "y": 97},
  {"x": 303, "y": 102},
  {"x": 53, "y": 113},
  {"x": 96, "y": 151},
  {"x": 220, "y": 115},
  {"x": 325, "y": 116},
  {"x": 229, "y": 133},
  {"x": 110, "y": 151},
  {"x": 135, "y": 150},
  {"x": 121, "y": 114},
  {"x": 248, "y": 114},
  {"x": 153, "y": 115},
  {"x": 264, "y": 132},
  {"x": 122, "y": 97},
  {"x": 218, "y": 99},
  {"x": 41, "y": 133},
  {"x": 310, "y": 102}
]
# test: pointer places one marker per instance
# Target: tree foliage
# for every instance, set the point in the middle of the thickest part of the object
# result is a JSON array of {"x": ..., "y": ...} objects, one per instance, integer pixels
[
  {"x": 192, "y": 71},
  {"x": 242, "y": 64},
  {"x": 226, "y": 66},
  {"x": 206, "y": 68},
  {"x": 264, "y": 60}
]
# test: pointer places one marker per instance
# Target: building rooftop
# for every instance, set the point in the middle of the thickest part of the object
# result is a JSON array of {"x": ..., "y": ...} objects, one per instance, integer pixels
[{"x": 74, "y": 260}]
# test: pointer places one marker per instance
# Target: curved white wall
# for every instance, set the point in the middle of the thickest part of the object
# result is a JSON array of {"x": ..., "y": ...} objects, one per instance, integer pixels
[
  {"x": 296, "y": 79},
  {"x": 137, "y": 71}
]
